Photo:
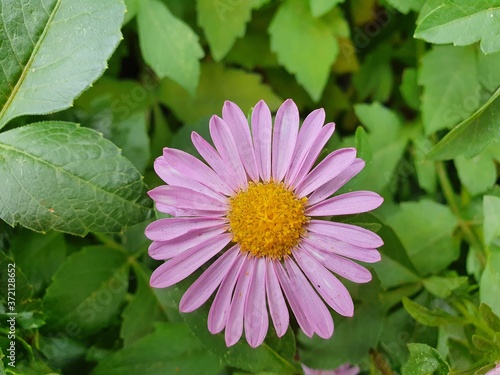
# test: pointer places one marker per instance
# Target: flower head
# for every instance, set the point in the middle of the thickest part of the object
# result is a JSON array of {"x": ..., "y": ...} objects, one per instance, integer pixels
[{"x": 258, "y": 208}]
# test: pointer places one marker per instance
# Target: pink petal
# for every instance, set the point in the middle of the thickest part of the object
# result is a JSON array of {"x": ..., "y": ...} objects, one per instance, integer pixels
[
  {"x": 317, "y": 146},
  {"x": 228, "y": 150},
  {"x": 276, "y": 302},
  {"x": 351, "y": 234},
  {"x": 317, "y": 313},
  {"x": 330, "y": 245},
  {"x": 293, "y": 296},
  {"x": 234, "y": 324},
  {"x": 308, "y": 133},
  {"x": 177, "y": 269},
  {"x": 256, "y": 319},
  {"x": 186, "y": 201},
  {"x": 330, "y": 167},
  {"x": 219, "y": 310},
  {"x": 195, "y": 169},
  {"x": 336, "y": 183},
  {"x": 175, "y": 178},
  {"x": 341, "y": 266},
  {"x": 173, "y": 227},
  {"x": 286, "y": 127},
  {"x": 262, "y": 133},
  {"x": 238, "y": 125},
  {"x": 328, "y": 286},
  {"x": 162, "y": 250},
  {"x": 201, "y": 290},
  {"x": 213, "y": 159},
  {"x": 350, "y": 203}
]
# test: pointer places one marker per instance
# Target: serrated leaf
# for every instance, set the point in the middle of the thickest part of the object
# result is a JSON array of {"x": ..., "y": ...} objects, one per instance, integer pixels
[
  {"x": 87, "y": 291},
  {"x": 489, "y": 317},
  {"x": 387, "y": 142},
  {"x": 320, "y": 7},
  {"x": 171, "y": 349},
  {"x": 463, "y": 22},
  {"x": 60, "y": 176},
  {"x": 223, "y": 23},
  {"x": 305, "y": 46},
  {"x": 425, "y": 360},
  {"x": 217, "y": 84},
  {"x": 53, "y": 50},
  {"x": 169, "y": 45},
  {"x": 449, "y": 95},
  {"x": 473, "y": 134},
  {"x": 431, "y": 227}
]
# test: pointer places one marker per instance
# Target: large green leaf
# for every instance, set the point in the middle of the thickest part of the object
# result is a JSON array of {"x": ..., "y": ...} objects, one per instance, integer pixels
[
  {"x": 53, "y": 50},
  {"x": 450, "y": 95},
  {"x": 60, "y": 176},
  {"x": 472, "y": 135},
  {"x": 425, "y": 360},
  {"x": 305, "y": 46},
  {"x": 87, "y": 291},
  {"x": 425, "y": 229},
  {"x": 217, "y": 84},
  {"x": 463, "y": 22},
  {"x": 223, "y": 23},
  {"x": 169, "y": 45},
  {"x": 171, "y": 349}
]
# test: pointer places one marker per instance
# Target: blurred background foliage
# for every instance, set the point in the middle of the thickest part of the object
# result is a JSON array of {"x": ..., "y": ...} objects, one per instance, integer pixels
[{"x": 413, "y": 84}]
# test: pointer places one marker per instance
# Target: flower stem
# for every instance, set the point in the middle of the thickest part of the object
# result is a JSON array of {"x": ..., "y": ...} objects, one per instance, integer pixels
[{"x": 450, "y": 196}]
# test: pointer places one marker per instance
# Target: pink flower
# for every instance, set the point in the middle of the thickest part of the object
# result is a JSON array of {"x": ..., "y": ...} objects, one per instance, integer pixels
[
  {"x": 258, "y": 207},
  {"x": 345, "y": 369}
]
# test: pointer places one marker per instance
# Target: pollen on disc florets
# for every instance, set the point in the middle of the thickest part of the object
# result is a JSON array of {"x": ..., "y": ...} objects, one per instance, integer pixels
[{"x": 267, "y": 219}]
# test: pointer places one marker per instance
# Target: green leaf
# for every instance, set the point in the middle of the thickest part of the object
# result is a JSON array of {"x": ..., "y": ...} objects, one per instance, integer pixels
[
  {"x": 223, "y": 23},
  {"x": 488, "y": 67},
  {"x": 132, "y": 9},
  {"x": 425, "y": 168},
  {"x": 321, "y": 7},
  {"x": 305, "y": 46},
  {"x": 463, "y": 22},
  {"x": 450, "y": 95},
  {"x": 53, "y": 50},
  {"x": 491, "y": 209},
  {"x": 478, "y": 174},
  {"x": 171, "y": 349},
  {"x": 119, "y": 110},
  {"x": 489, "y": 317},
  {"x": 142, "y": 311},
  {"x": 387, "y": 142},
  {"x": 169, "y": 45},
  {"x": 488, "y": 287},
  {"x": 375, "y": 78},
  {"x": 87, "y": 291},
  {"x": 425, "y": 360},
  {"x": 442, "y": 287},
  {"x": 277, "y": 358},
  {"x": 217, "y": 84},
  {"x": 433, "y": 318},
  {"x": 39, "y": 256},
  {"x": 60, "y": 176},
  {"x": 472, "y": 135},
  {"x": 405, "y": 6},
  {"x": 409, "y": 88},
  {"x": 22, "y": 288},
  {"x": 429, "y": 243}
]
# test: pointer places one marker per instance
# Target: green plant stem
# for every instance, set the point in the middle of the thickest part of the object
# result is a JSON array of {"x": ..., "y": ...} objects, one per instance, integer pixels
[
  {"x": 450, "y": 196},
  {"x": 108, "y": 241}
]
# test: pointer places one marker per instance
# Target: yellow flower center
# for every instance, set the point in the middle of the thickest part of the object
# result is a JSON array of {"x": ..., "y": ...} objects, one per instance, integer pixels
[{"x": 267, "y": 219}]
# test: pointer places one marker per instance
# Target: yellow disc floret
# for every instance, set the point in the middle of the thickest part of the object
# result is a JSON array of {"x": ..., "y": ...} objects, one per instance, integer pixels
[{"x": 267, "y": 219}]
